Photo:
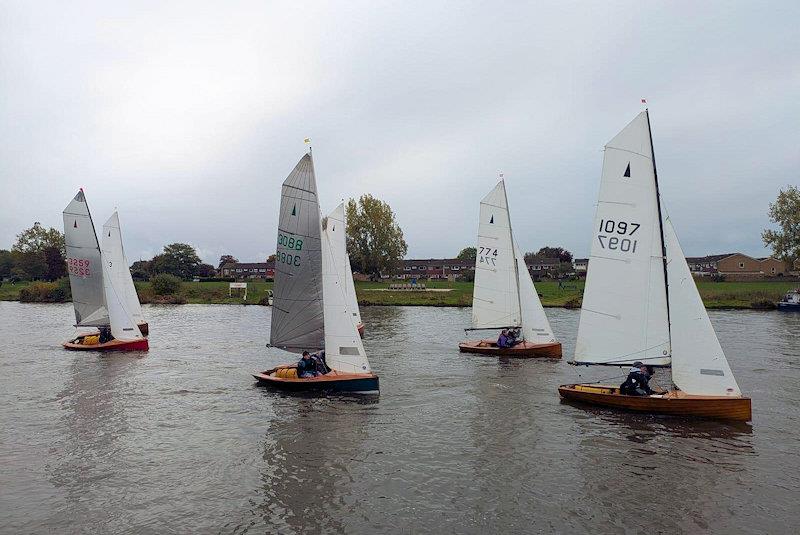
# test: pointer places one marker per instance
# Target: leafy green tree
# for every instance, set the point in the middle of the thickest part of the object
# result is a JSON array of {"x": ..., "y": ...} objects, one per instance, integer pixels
[
  {"x": 6, "y": 263},
  {"x": 206, "y": 270},
  {"x": 39, "y": 253},
  {"x": 226, "y": 258},
  {"x": 374, "y": 239},
  {"x": 178, "y": 259},
  {"x": 468, "y": 253},
  {"x": 37, "y": 238},
  {"x": 141, "y": 270},
  {"x": 555, "y": 252},
  {"x": 785, "y": 212}
]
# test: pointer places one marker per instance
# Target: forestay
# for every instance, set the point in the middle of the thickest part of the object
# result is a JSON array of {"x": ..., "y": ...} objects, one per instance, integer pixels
[
  {"x": 535, "y": 325},
  {"x": 336, "y": 230},
  {"x": 344, "y": 350},
  {"x": 495, "y": 301},
  {"x": 624, "y": 314},
  {"x": 297, "y": 312},
  {"x": 117, "y": 263},
  {"x": 699, "y": 365},
  {"x": 84, "y": 264},
  {"x": 122, "y": 325}
]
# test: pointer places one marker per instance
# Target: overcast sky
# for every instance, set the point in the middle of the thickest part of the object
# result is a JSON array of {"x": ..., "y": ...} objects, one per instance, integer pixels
[{"x": 187, "y": 116}]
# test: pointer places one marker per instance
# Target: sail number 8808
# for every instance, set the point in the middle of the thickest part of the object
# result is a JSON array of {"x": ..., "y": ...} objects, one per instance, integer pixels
[{"x": 616, "y": 243}]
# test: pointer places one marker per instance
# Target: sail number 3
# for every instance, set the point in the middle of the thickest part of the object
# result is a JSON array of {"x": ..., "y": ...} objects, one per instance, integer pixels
[
  {"x": 617, "y": 243},
  {"x": 487, "y": 255},
  {"x": 78, "y": 267}
]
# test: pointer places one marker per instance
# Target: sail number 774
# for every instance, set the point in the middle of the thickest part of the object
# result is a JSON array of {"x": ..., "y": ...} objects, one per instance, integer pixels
[{"x": 614, "y": 235}]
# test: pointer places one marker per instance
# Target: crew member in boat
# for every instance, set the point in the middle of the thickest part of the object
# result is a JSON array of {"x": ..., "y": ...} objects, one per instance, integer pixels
[
  {"x": 502, "y": 340},
  {"x": 105, "y": 334},
  {"x": 636, "y": 384},
  {"x": 312, "y": 365}
]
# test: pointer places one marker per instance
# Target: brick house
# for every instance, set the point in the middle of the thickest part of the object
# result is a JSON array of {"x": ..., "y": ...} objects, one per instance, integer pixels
[
  {"x": 736, "y": 264},
  {"x": 434, "y": 268},
  {"x": 248, "y": 270},
  {"x": 581, "y": 265}
]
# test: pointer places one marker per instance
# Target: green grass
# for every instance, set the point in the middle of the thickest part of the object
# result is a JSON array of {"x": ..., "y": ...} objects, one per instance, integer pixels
[
  {"x": 10, "y": 291},
  {"x": 714, "y": 294}
]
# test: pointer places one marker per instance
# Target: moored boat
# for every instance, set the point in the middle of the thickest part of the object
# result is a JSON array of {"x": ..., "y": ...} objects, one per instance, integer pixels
[
  {"x": 504, "y": 296},
  {"x": 640, "y": 301},
  {"x": 790, "y": 301},
  {"x": 311, "y": 310}
]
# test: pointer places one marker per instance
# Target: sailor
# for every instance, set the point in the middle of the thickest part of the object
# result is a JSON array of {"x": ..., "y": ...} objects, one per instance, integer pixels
[
  {"x": 502, "y": 340},
  {"x": 306, "y": 367},
  {"x": 512, "y": 337},
  {"x": 320, "y": 366},
  {"x": 636, "y": 384},
  {"x": 105, "y": 334}
]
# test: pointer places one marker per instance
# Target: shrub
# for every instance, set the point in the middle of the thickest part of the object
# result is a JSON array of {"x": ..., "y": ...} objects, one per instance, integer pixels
[
  {"x": 717, "y": 278},
  {"x": 763, "y": 304},
  {"x": 46, "y": 292},
  {"x": 574, "y": 302},
  {"x": 165, "y": 284}
]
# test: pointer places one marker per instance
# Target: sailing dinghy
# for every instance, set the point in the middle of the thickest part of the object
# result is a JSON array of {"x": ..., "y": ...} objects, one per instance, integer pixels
[
  {"x": 641, "y": 303},
  {"x": 335, "y": 229},
  {"x": 504, "y": 296},
  {"x": 311, "y": 311},
  {"x": 97, "y": 301}
]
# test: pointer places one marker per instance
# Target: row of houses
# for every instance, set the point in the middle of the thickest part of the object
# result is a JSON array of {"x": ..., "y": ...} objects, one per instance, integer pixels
[{"x": 730, "y": 264}]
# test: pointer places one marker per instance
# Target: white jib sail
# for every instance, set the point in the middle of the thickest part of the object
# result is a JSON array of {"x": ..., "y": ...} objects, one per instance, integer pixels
[
  {"x": 117, "y": 263},
  {"x": 84, "y": 264},
  {"x": 344, "y": 350},
  {"x": 336, "y": 230},
  {"x": 535, "y": 325},
  {"x": 624, "y": 313},
  {"x": 495, "y": 300},
  {"x": 699, "y": 365},
  {"x": 122, "y": 325}
]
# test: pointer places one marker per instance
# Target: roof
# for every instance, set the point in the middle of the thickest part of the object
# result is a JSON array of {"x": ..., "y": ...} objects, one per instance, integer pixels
[
  {"x": 438, "y": 262},
  {"x": 542, "y": 260},
  {"x": 708, "y": 258}
]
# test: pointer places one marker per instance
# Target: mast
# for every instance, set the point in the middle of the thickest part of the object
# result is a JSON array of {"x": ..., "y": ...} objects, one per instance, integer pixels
[
  {"x": 660, "y": 226},
  {"x": 516, "y": 260}
]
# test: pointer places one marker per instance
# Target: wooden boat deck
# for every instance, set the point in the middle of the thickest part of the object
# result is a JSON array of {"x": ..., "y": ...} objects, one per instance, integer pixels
[
  {"x": 674, "y": 402},
  {"x": 521, "y": 350},
  {"x": 334, "y": 381}
]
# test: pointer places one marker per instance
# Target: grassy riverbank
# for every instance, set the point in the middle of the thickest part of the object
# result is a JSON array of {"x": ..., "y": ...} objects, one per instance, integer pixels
[{"x": 715, "y": 294}]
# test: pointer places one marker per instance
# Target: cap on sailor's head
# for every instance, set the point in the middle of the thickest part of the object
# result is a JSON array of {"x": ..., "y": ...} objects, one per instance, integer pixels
[{"x": 638, "y": 364}]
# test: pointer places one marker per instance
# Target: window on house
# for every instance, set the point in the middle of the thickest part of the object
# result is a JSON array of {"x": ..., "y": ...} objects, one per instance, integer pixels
[
  {"x": 238, "y": 270},
  {"x": 455, "y": 268},
  {"x": 406, "y": 269},
  {"x": 773, "y": 270},
  {"x": 741, "y": 265},
  {"x": 262, "y": 270}
]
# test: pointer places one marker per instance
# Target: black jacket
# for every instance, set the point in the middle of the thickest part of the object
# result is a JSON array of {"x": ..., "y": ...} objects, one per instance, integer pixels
[{"x": 636, "y": 384}]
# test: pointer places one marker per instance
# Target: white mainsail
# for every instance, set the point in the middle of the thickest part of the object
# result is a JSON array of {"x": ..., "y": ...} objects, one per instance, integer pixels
[
  {"x": 84, "y": 264},
  {"x": 336, "y": 230},
  {"x": 624, "y": 316},
  {"x": 297, "y": 311},
  {"x": 495, "y": 299},
  {"x": 117, "y": 263},
  {"x": 344, "y": 350},
  {"x": 123, "y": 326},
  {"x": 699, "y": 365},
  {"x": 535, "y": 325}
]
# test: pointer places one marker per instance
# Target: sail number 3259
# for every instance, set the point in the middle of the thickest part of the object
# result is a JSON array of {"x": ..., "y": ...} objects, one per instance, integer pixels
[{"x": 611, "y": 233}]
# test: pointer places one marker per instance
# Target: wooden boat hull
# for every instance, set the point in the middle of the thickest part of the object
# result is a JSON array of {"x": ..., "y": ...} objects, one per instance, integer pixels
[
  {"x": 113, "y": 345},
  {"x": 360, "y": 328},
  {"x": 675, "y": 403},
  {"x": 523, "y": 350},
  {"x": 144, "y": 328},
  {"x": 355, "y": 383},
  {"x": 789, "y": 307}
]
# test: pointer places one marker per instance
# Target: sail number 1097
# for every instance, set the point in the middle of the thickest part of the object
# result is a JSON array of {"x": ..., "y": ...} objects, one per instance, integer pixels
[{"x": 611, "y": 232}]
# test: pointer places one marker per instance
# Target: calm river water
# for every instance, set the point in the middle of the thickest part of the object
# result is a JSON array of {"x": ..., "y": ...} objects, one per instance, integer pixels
[{"x": 180, "y": 440}]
